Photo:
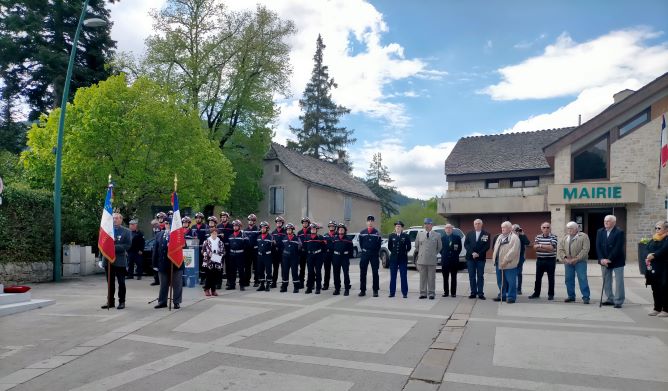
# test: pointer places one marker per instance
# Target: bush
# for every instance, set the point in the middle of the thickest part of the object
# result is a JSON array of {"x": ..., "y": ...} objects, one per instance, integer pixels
[{"x": 26, "y": 221}]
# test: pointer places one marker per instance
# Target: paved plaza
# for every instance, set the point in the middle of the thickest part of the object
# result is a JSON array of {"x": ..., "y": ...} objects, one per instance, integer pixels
[{"x": 284, "y": 341}]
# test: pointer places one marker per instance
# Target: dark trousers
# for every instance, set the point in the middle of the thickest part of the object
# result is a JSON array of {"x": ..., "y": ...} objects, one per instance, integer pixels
[
  {"x": 545, "y": 265},
  {"x": 290, "y": 264},
  {"x": 314, "y": 263},
  {"x": 402, "y": 268},
  {"x": 202, "y": 269},
  {"x": 276, "y": 263},
  {"x": 302, "y": 268},
  {"x": 251, "y": 261},
  {"x": 138, "y": 260},
  {"x": 213, "y": 277},
  {"x": 236, "y": 265},
  {"x": 263, "y": 270},
  {"x": 117, "y": 274},
  {"x": 177, "y": 287},
  {"x": 327, "y": 263},
  {"x": 476, "y": 271},
  {"x": 450, "y": 271},
  {"x": 660, "y": 288},
  {"x": 339, "y": 264},
  {"x": 520, "y": 266},
  {"x": 365, "y": 260}
]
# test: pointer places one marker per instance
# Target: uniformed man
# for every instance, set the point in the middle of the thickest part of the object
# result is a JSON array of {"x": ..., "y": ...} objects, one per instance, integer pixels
[
  {"x": 199, "y": 231},
  {"x": 238, "y": 243},
  {"x": 161, "y": 220},
  {"x": 122, "y": 242},
  {"x": 136, "y": 251},
  {"x": 291, "y": 252},
  {"x": 327, "y": 263},
  {"x": 185, "y": 226},
  {"x": 370, "y": 241},
  {"x": 251, "y": 233},
  {"x": 399, "y": 245},
  {"x": 265, "y": 256},
  {"x": 278, "y": 234},
  {"x": 452, "y": 246},
  {"x": 160, "y": 216},
  {"x": 163, "y": 263},
  {"x": 224, "y": 231},
  {"x": 315, "y": 246},
  {"x": 306, "y": 222},
  {"x": 342, "y": 249}
]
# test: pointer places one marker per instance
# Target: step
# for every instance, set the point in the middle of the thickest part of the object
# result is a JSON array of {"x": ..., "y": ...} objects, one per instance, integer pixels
[
  {"x": 9, "y": 309},
  {"x": 12, "y": 298}
]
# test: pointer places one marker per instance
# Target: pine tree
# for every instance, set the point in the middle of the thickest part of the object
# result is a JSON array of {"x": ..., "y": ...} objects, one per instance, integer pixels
[
  {"x": 320, "y": 135},
  {"x": 379, "y": 181}
]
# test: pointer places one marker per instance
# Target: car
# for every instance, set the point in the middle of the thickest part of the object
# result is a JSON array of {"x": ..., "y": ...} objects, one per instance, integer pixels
[
  {"x": 412, "y": 234},
  {"x": 356, "y": 245},
  {"x": 147, "y": 256}
]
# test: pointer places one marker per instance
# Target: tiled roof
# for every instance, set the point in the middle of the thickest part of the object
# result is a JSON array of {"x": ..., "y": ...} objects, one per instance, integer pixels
[
  {"x": 502, "y": 152},
  {"x": 319, "y": 172}
]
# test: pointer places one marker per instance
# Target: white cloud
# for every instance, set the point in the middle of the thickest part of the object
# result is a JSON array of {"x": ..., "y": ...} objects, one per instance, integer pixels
[
  {"x": 132, "y": 24},
  {"x": 568, "y": 68},
  {"x": 529, "y": 44}
]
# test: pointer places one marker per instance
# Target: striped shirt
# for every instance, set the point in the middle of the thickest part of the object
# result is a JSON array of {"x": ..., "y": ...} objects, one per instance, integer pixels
[{"x": 550, "y": 239}]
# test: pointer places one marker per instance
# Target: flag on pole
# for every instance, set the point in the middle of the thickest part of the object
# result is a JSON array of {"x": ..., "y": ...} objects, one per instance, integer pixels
[
  {"x": 176, "y": 238},
  {"x": 664, "y": 142},
  {"x": 105, "y": 242}
]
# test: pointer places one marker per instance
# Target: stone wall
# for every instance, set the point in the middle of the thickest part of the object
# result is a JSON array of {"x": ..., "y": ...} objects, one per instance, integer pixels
[{"x": 24, "y": 273}]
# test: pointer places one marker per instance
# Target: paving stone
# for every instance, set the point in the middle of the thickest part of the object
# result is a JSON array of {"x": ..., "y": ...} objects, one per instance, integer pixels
[{"x": 432, "y": 366}]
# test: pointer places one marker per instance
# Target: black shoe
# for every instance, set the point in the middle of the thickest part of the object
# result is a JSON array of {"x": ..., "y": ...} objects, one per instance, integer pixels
[
  {"x": 230, "y": 288},
  {"x": 267, "y": 287},
  {"x": 519, "y": 292},
  {"x": 453, "y": 295},
  {"x": 284, "y": 288},
  {"x": 375, "y": 293},
  {"x": 361, "y": 294},
  {"x": 273, "y": 285},
  {"x": 261, "y": 288},
  {"x": 317, "y": 291},
  {"x": 157, "y": 283},
  {"x": 497, "y": 299},
  {"x": 256, "y": 284},
  {"x": 607, "y": 303},
  {"x": 472, "y": 296},
  {"x": 510, "y": 301},
  {"x": 482, "y": 297},
  {"x": 308, "y": 291},
  {"x": 534, "y": 296},
  {"x": 444, "y": 295},
  {"x": 177, "y": 306},
  {"x": 295, "y": 289},
  {"x": 431, "y": 297},
  {"x": 120, "y": 306},
  {"x": 405, "y": 296},
  {"x": 160, "y": 306},
  {"x": 346, "y": 292},
  {"x": 422, "y": 297},
  {"x": 585, "y": 301},
  {"x": 107, "y": 306},
  {"x": 391, "y": 295},
  {"x": 569, "y": 300},
  {"x": 550, "y": 297},
  {"x": 325, "y": 287},
  {"x": 618, "y": 306},
  {"x": 336, "y": 292}
]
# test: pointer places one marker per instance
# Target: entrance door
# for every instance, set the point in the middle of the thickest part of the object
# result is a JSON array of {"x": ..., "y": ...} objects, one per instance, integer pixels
[{"x": 590, "y": 220}]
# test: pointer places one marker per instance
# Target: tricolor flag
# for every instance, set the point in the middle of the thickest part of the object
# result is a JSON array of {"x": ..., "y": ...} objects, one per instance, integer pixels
[
  {"x": 106, "y": 240},
  {"x": 176, "y": 238},
  {"x": 664, "y": 142}
]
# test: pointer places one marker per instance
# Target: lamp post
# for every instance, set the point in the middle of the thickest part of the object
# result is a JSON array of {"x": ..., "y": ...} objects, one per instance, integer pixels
[{"x": 57, "y": 189}]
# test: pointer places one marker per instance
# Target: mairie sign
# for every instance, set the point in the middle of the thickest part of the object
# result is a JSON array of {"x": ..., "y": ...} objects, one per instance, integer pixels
[{"x": 596, "y": 193}]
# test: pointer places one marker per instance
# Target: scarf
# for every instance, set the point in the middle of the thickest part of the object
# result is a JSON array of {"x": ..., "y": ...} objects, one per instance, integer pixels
[{"x": 658, "y": 237}]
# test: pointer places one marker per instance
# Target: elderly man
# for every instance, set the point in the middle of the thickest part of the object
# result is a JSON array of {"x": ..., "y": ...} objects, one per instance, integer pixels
[
  {"x": 427, "y": 246},
  {"x": 122, "y": 243},
  {"x": 611, "y": 257},
  {"x": 135, "y": 252},
  {"x": 546, "y": 260},
  {"x": 573, "y": 251},
  {"x": 477, "y": 244},
  {"x": 506, "y": 257},
  {"x": 450, "y": 249}
]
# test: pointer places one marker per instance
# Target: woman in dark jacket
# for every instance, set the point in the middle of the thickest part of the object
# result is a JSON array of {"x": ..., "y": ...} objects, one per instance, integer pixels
[{"x": 657, "y": 262}]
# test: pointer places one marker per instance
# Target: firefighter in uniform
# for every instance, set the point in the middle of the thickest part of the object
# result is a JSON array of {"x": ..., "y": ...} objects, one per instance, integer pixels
[
  {"x": 342, "y": 249},
  {"x": 327, "y": 263},
  {"x": 199, "y": 231},
  {"x": 265, "y": 256},
  {"x": 291, "y": 251},
  {"x": 278, "y": 234},
  {"x": 251, "y": 233},
  {"x": 370, "y": 242},
  {"x": 302, "y": 233},
  {"x": 224, "y": 231},
  {"x": 399, "y": 245},
  {"x": 161, "y": 216},
  {"x": 238, "y": 243},
  {"x": 315, "y": 246}
]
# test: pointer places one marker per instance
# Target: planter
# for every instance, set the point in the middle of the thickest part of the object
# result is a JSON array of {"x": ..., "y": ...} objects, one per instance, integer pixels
[{"x": 642, "y": 254}]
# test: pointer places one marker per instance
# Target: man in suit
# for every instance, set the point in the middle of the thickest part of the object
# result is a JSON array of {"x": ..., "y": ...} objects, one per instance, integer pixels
[
  {"x": 427, "y": 246},
  {"x": 611, "y": 257},
  {"x": 452, "y": 245},
  {"x": 477, "y": 244}
]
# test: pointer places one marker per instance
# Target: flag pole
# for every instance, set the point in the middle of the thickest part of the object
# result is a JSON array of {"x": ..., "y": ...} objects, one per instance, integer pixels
[
  {"x": 661, "y": 152},
  {"x": 109, "y": 298},
  {"x": 171, "y": 265}
]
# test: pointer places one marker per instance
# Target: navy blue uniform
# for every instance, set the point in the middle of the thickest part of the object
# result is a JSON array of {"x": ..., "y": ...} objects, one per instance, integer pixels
[
  {"x": 251, "y": 233},
  {"x": 238, "y": 243},
  {"x": 370, "y": 242},
  {"x": 302, "y": 233},
  {"x": 291, "y": 248},
  {"x": 342, "y": 249},
  {"x": 327, "y": 263},
  {"x": 201, "y": 232},
  {"x": 265, "y": 255},
  {"x": 134, "y": 256},
  {"x": 399, "y": 246},
  {"x": 452, "y": 246},
  {"x": 315, "y": 247},
  {"x": 279, "y": 235},
  {"x": 163, "y": 263},
  {"x": 224, "y": 232}
]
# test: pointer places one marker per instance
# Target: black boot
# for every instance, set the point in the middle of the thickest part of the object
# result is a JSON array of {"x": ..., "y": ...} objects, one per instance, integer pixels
[
  {"x": 337, "y": 292},
  {"x": 256, "y": 284},
  {"x": 273, "y": 284},
  {"x": 317, "y": 291},
  {"x": 325, "y": 287},
  {"x": 308, "y": 290},
  {"x": 284, "y": 287},
  {"x": 346, "y": 292},
  {"x": 106, "y": 306},
  {"x": 121, "y": 305},
  {"x": 296, "y": 288},
  {"x": 261, "y": 288},
  {"x": 267, "y": 286}
]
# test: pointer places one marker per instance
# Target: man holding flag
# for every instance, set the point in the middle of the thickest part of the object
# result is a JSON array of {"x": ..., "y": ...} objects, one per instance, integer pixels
[{"x": 113, "y": 242}]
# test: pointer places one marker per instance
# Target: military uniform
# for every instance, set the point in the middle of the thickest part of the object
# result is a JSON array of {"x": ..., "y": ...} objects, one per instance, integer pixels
[
  {"x": 200, "y": 232},
  {"x": 251, "y": 233},
  {"x": 291, "y": 249},
  {"x": 342, "y": 249},
  {"x": 302, "y": 233},
  {"x": 399, "y": 246},
  {"x": 370, "y": 241},
  {"x": 452, "y": 246},
  {"x": 134, "y": 254},
  {"x": 327, "y": 261},
  {"x": 163, "y": 263},
  {"x": 265, "y": 258},
  {"x": 238, "y": 243},
  {"x": 315, "y": 247},
  {"x": 278, "y": 234}
]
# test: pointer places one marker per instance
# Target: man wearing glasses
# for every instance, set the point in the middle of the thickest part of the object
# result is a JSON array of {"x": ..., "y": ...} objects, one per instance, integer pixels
[{"x": 546, "y": 260}]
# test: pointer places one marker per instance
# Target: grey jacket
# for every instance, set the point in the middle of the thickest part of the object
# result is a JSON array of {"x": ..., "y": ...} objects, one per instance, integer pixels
[
  {"x": 122, "y": 242},
  {"x": 426, "y": 249}
]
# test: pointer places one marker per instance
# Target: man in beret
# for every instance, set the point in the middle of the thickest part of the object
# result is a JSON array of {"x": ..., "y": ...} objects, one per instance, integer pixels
[{"x": 370, "y": 241}]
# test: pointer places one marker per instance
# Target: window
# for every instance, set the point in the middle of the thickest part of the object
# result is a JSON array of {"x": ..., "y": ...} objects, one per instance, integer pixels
[
  {"x": 347, "y": 209},
  {"x": 276, "y": 200},
  {"x": 277, "y": 169},
  {"x": 634, "y": 123},
  {"x": 591, "y": 162},
  {"x": 524, "y": 182},
  {"x": 492, "y": 184}
]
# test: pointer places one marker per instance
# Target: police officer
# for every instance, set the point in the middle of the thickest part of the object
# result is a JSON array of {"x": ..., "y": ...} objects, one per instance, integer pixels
[
  {"x": 399, "y": 245},
  {"x": 329, "y": 236},
  {"x": 306, "y": 222},
  {"x": 370, "y": 241},
  {"x": 163, "y": 263},
  {"x": 342, "y": 248},
  {"x": 278, "y": 234},
  {"x": 315, "y": 246},
  {"x": 238, "y": 243},
  {"x": 265, "y": 256},
  {"x": 251, "y": 233},
  {"x": 291, "y": 251},
  {"x": 136, "y": 251}
]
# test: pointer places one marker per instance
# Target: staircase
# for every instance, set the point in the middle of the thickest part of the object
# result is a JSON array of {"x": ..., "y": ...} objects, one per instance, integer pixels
[{"x": 13, "y": 303}]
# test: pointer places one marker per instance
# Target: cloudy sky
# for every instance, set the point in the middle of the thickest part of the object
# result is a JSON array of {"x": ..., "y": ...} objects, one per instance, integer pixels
[{"x": 419, "y": 75}]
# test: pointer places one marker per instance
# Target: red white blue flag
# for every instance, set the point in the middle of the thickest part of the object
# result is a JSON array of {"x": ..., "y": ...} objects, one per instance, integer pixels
[
  {"x": 105, "y": 242},
  {"x": 664, "y": 142},
  {"x": 176, "y": 238}
]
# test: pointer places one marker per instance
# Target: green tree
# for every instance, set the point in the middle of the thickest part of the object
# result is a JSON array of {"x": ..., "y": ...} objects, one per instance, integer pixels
[
  {"x": 320, "y": 135},
  {"x": 35, "y": 42},
  {"x": 379, "y": 181},
  {"x": 413, "y": 214},
  {"x": 140, "y": 134}
]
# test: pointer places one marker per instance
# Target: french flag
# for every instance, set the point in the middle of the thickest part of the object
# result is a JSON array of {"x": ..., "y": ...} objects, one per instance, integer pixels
[
  {"x": 105, "y": 242},
  {"x": 176, "y": 238},
  {"x": 664, "y": 142}
]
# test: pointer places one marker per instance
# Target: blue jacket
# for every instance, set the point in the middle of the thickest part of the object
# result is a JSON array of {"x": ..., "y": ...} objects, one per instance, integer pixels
[
  {"x": 160, "y": 259},
  {"x": 399, "y": 246},
  {"x": 370, "y": 243},
  {"x": 452, "y": 246},
  {"x": 611, "y": 247}
]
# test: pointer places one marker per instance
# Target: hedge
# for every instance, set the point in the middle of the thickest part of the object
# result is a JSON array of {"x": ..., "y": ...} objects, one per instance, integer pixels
[{"x": 26, "y": 224}]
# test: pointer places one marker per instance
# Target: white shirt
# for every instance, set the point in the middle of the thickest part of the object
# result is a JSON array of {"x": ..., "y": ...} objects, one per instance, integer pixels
[
  {"x": 215, "y": 257},
  {"x": 477, "y": 235}
]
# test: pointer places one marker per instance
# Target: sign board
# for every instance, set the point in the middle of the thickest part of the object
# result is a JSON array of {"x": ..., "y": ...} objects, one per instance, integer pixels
[
  {"x": 189, "y": 257},
  {"x": 587, "y": 193}
]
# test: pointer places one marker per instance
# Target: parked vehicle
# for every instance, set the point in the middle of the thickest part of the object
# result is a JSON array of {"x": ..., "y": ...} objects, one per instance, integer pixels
[
  {"x": 147, "y": 256},
  {"x": 412, "y": 234},
  {"x": 356, "y": 245}
]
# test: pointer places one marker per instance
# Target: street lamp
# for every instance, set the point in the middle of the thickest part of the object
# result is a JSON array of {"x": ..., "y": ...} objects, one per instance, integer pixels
[{"x": 57, "y": 189}]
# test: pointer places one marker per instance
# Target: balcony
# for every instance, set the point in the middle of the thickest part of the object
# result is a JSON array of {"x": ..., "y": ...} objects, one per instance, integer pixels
[{"x": 519, "y": 200}]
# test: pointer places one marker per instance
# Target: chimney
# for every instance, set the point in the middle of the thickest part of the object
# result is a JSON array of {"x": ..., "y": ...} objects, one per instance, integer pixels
[{"x": 621, "y": 95}]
